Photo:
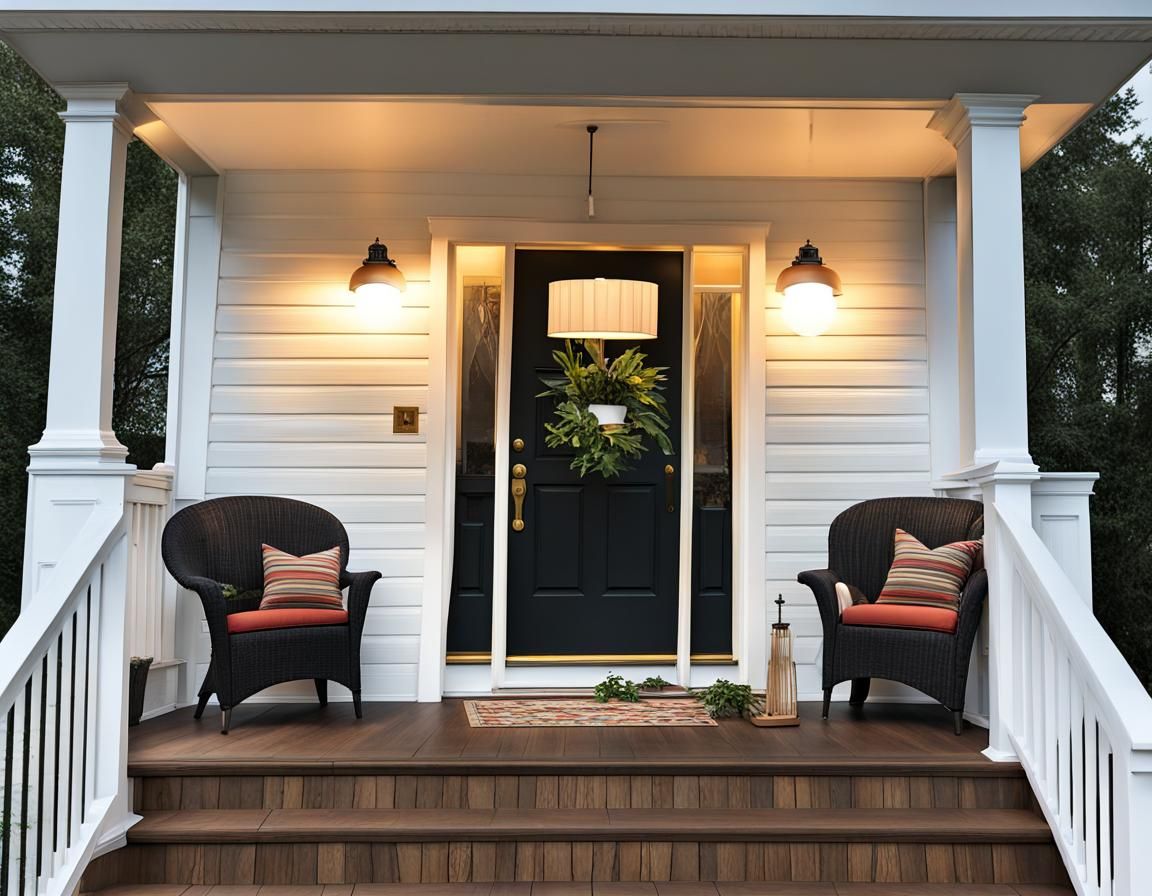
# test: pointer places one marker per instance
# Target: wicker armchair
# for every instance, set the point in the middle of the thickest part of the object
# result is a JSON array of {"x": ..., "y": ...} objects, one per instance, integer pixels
[
  {"x": 218, "y": 541},
  {"x": 860, "y": 550}
]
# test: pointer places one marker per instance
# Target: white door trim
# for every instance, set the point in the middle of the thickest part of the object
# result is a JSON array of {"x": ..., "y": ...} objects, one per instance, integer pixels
[{"x": 748, "y": 421}]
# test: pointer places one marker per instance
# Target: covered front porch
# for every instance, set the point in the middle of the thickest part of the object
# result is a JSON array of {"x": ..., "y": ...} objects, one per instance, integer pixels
[{"x": 723, "y": 153}]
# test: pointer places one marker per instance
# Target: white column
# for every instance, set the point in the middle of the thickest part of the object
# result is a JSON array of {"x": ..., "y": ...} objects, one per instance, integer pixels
[
  {"x": 991, "y": 358},
  {"x": 78, "y": 462},
  {"x": 985, "y": 129},
  {"x": 79, "y": 423},
  {"x": 942, "y": 310}
]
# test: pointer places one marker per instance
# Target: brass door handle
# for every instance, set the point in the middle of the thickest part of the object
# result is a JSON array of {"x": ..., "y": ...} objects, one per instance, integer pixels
[
  {"x": 519, "y": 489},
  {"x": 670, "y": 488}
]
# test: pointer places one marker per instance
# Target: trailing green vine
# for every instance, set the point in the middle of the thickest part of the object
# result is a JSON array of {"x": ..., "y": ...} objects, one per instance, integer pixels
[{"x": 626, "y": 381}]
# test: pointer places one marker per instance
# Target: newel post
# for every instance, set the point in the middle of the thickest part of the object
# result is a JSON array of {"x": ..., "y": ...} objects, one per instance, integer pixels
[
  {"x": 991, "y": 356},
  {"x": 78, "y": 463}
]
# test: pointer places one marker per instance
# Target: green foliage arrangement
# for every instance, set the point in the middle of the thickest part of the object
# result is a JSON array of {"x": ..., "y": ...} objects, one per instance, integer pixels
[
  {"x": 626, "y": 381},
  {"x": 723, "y": 699},
  {"x": 655, "y": 683},
  {"x": 614, "y": 687}
]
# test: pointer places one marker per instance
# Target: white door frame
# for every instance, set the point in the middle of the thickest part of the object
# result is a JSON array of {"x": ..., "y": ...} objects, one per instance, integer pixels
[{"x": 748, "y": 427}]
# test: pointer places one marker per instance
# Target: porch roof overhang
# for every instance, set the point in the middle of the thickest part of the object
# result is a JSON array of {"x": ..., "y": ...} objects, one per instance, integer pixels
[{"x": 831, "y": 88}]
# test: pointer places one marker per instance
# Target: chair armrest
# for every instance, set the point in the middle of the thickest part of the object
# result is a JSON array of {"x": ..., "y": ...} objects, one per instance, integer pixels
[
  {"x": 359, "y": 585},
  {"x": 211, "y": 594},
  {"x": 823, "y": 585},
  {"x": 971, "y": 611}
]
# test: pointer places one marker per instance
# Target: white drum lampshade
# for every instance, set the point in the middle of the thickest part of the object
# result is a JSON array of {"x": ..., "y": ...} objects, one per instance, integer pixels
[{"x": 601, "y": 308}]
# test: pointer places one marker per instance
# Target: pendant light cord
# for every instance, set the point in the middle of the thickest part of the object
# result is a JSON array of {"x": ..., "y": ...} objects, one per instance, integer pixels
[{"x": 592, "y": 129}]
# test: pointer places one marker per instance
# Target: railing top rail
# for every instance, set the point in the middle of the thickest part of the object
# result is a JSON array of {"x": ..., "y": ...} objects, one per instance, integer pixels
[
  {"x": 38, "y": 622},
  {"x": 1121, "y": 697},
  {"x": 150, "y": 486}
]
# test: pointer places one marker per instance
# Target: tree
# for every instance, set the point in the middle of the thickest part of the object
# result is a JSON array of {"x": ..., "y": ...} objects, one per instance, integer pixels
[
  {"x": 31, "y": 153},
  {"x": 1088, "y": 271}
]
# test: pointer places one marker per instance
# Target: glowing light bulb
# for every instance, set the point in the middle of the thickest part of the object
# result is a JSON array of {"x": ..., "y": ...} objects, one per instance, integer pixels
[{"x": 809, "y": 308}]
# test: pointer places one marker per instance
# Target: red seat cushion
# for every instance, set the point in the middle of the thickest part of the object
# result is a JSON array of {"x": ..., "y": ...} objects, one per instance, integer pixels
[
  {"x": 936, "y": 619},
  {"x": 262, "y": 620}
]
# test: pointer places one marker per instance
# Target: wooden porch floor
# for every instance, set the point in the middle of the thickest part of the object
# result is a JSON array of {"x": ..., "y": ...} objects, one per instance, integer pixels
[{"x": 431, "y": 736}]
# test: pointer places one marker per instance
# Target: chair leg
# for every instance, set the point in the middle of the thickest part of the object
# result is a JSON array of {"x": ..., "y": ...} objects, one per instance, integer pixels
[
  {"x": 356, "y": 705},
  {"x": 206, "y": 691},
  {"x": 860, "y": 688},
  {"x": 827, "y": 701},
  {"x": 225, "y": 720},
  {"x": 958, "y": 721},
  {"x": 322, "y": 690}
]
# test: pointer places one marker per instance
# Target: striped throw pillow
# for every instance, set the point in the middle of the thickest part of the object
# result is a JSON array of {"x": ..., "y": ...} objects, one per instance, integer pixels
[
  {"x": 928, "y": 578},
  {"x": 293, "y": 582}
]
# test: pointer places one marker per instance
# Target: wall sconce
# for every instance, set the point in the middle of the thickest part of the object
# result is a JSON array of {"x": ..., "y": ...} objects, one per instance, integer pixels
[
  {"x": 809, "y": 289},
  {"x": 378, "y": 279}
]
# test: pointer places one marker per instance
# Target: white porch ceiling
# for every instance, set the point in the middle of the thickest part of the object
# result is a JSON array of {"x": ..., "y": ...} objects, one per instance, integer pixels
[{"x": 666, "y": 140}]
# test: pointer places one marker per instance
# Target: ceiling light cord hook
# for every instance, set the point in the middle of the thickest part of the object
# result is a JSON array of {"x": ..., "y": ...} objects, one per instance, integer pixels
[{"x": 592, "y": 129}]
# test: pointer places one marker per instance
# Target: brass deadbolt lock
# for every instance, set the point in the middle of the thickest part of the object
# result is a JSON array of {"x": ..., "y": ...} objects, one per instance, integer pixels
[{"x": 517, "y": 445}]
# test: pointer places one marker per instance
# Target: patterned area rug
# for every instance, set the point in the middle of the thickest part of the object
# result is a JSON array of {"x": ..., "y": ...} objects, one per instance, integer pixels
[{"x": 585, "y": 713}]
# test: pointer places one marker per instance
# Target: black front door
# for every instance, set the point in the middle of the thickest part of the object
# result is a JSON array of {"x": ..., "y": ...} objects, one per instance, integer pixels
[{"x": 594, "y": 572}]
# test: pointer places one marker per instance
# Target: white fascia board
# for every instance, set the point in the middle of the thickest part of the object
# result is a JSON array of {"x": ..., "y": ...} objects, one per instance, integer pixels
[{"x": 1045, "y": 10}]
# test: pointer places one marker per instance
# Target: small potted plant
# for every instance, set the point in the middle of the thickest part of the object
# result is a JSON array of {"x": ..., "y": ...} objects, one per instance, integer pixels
[
  {"x": 723, "y": 699},
  {"x": 655, "y": 685},
  {"x": 589, "y": 419},
  {"x": 138, "y": 667},
  {"x": 615, "y": 689}
]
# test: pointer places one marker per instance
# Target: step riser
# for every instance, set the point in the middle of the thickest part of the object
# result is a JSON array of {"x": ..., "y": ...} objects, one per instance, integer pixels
[
  {"x": 170, "y": 793},
  {"x": 309, "y": 864}
]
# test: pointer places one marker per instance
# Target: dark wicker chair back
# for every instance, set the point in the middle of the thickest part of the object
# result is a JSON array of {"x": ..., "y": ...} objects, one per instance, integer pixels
[
  {"x": 860, "y": 540},
  {"x": 220, "y": 538}
]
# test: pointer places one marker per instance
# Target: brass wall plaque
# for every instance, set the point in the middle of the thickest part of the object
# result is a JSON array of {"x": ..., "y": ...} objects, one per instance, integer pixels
[{"x": 406, "y": 420}]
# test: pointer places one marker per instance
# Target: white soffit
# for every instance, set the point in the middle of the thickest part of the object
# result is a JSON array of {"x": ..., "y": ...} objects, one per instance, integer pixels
[{"x": 665, "y": 141}]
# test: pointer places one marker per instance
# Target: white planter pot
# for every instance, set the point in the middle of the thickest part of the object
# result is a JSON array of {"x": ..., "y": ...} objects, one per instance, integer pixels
[{"x": 608, "y": 414}]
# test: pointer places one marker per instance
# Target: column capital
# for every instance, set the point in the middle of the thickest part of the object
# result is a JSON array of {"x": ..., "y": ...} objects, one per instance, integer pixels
[
  {"x": 964, "y": 111},
  {"x": 96, "y": 103}
]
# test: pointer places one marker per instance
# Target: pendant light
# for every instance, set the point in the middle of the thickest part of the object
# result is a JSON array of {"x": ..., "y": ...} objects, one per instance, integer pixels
[
  {"x": 592, "y": 129},
  {"x": 378, "y": 278},
  {"x": 600, "y": 308},
  {"x": 809, "y": 289}
]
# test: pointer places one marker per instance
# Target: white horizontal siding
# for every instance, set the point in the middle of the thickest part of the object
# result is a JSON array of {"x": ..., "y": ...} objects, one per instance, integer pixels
[
  {"x": 847, "y": 411},
  {"x": 304, "y": 384}
]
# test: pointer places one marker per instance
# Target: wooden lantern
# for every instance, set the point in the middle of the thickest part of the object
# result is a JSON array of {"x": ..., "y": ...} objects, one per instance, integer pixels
[{"x": 780, "y": 699}]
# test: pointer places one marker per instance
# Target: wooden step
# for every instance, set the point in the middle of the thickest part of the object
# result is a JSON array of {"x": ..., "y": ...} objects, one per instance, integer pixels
[
  {"x": 639, "y": 888},
  {"x": 309, "y": 847},
  {"x": 527, "y": 825},
  {"x": 572, "y": 789}
]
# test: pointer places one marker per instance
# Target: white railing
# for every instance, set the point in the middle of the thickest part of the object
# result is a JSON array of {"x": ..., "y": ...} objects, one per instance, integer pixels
[
  {"x": 151, "y": 621},
  {"x": 1078, "y": 718},
  {"x": 63, "y": 728}
]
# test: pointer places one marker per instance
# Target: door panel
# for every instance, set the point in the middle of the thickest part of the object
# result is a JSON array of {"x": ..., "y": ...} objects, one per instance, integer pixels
[{"x": 595, "y": 569}]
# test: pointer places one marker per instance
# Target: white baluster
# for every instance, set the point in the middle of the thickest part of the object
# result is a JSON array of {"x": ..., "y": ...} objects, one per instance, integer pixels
[
  {"x": 1076, "y": 724},
  {"x": 17, "y": 828},
  {"x": 47, "y": 785}
]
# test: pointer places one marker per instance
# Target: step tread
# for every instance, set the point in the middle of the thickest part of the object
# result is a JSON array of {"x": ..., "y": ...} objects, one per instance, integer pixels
[
  {"x": 637, "y": 888},
  {"x": 940, "y": 765},
  {"x": 763, "y": 825}
]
